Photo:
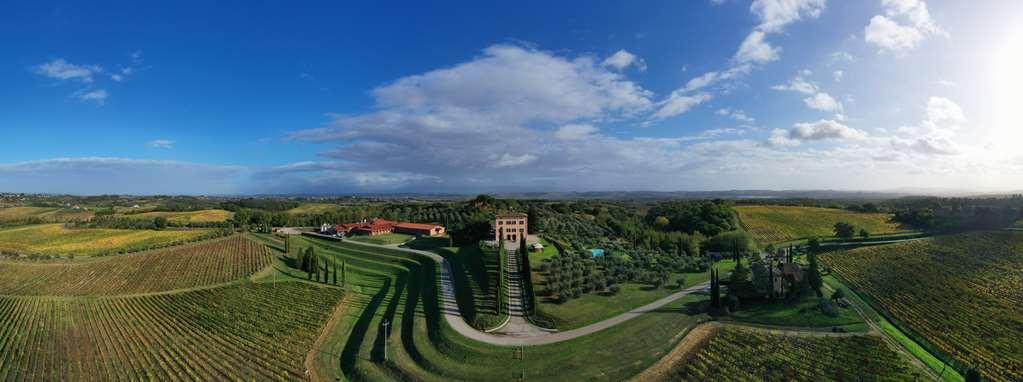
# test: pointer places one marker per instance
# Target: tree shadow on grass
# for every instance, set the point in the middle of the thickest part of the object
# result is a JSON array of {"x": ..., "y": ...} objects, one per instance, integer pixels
[{"x": 350, "y": 353}]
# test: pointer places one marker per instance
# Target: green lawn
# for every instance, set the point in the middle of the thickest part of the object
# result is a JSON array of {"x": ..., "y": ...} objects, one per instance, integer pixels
[
  {"x": 947, "y": 372},
  {"x": 1019, "y": 224},
  {"x": 385, "y": 239},
  {"x": 595, "y": 307},
  {"x": 801, "y": 314},
  {"x": 401, "y": 289}
]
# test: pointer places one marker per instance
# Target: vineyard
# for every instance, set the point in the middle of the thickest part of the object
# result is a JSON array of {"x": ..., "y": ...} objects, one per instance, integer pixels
[
  {"x": 186, "y": 217},
  {"x": 55, "y": 239},
  {"x": 242, "y": 332},
  {"x": 739, "y": 354},
  {"x": 776, "y": 224},
  {"x": 42, "y": 214},
  {"x": 162, "y": 270},
  {"x": 961, "y": 293}
]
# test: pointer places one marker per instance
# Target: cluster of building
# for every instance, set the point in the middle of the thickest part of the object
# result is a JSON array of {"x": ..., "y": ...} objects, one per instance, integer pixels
[{"x": 378, "y": 226}]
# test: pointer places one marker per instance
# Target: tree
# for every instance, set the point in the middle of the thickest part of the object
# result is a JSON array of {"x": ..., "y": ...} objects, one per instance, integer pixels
[
  {"x": 715, "y": 290},
  {"x": 973, "y": 375},
  {"x": 739, "y": 284},
  {"x": 863, "y": 233},
  {"x": 660, "y": 222},
  {"x": 814, "y": 244},
  {"x": 845, "y": 230},
  {"x": 160, "y": 223},
  {"x": 837, "y": 295},
  {"x": 813, "y": 275}
]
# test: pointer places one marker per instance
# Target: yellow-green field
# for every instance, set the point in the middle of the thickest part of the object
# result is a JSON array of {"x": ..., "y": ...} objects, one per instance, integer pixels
[
  {"x": 313, "y": 208},
  {"x": 202, "y": 216},
  {"x": 776, "y": 224},
  {"x": 45, "y": 213},
  {"x": 55, "y": 239}
]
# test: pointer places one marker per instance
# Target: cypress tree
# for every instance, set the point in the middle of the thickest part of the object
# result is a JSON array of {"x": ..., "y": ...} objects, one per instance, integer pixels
[
  {"x": 715, "y": 290},
  {"x": 333, "y": 265}
]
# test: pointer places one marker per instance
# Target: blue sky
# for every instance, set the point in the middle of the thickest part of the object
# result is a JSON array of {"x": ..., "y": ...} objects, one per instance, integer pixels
[{"x": 240, "y": 97}]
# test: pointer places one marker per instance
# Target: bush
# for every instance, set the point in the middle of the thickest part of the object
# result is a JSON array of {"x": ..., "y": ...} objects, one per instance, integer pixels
[{"x": 828, "y": 308}]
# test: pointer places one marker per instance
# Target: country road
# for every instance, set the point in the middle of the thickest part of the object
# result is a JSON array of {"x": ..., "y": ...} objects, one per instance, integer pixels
[{"x": 449, "y": 307}]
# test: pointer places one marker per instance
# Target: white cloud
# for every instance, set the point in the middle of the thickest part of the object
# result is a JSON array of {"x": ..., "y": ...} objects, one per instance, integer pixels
[
  {"x": 755, "y": 50},
  {"x": 623, "y": 59},
  {"x": 99, "y": 96},
  {"x": 122, "y": 75},
  {"x": 926, "y": 145},
  {"x": 903, "y": 26},
  {"x": 63, "y": 70},
  {"x": 574, "y": 131},
  {"x": 824, "y": 129},
  {"x": 798, "y": 85},
  {"x": 776, "y": 14},
  {"x": 817, "y": 100},
  {"x": 161, "y": 144},
  {"x": 509, "y": 160},
  {"x": 942, "y": 111},
  {"x": 679, "y": 103},
  {"x": 736, "y": 114},
  {"x": 842, "y": 56},
  {"x": 712, "y": 77},
  {"x": 837, "y": 75},
  {"x": 823, "y": 102}
]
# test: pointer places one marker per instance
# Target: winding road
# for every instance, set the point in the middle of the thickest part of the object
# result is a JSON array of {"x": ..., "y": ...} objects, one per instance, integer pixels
[{"x": 449, "y": 307}]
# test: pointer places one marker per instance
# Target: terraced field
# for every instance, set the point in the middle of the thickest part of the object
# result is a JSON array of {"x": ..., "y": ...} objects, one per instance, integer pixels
[
  {"x": 240, "y": 332},
  {"x": 55, "y": 239},
  {"x": 188, "y": 266},
  {"x": 740, "y": 354},
  {"x": 776, "y": 224},
  {"x": 203, "y": 216},
  {"x": 46, "y": 214},
  {"x": 960, "y": 293},
  {"x": 401, "y": 289}
]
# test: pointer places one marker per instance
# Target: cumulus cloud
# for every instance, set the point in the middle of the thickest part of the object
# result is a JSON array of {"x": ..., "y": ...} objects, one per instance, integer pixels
[
  {"x": 837, "y": 75},
  {"x": 623, "y": 59},
  {"x": 461, "y": 122},
  {"x": 942, "y": 119},
  {"x": 776, "y": 14},
  {"x": 105, "y": 175},
  {"x": 62, "y": 70},
  {"x": 824, "y": 129},
  {"x": 903, "y": 26},
  {"x": 97, "y": 96},
  {"x": 574, "y": 131},
  {"x": 823, "y": 102},
  {"x": 817, "y": 99},
  {"x": 926, "y": 145},
  {"x": 161, "y": 144}
]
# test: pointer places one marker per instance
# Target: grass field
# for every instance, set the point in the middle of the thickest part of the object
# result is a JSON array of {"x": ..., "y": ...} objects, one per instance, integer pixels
[
  {"x": 47, "y": 214},
  {"x": 740, "y": 354},
  {"x": 385, "y": 239},
  {"x": 202, "y": 216},
  {"x": 402, "y": 289},
  {"x": 958, "y": 294},
  {"x": 777, "y": 224},
  {"x": 313, "y": 208},
  {"x": 476, "y": 279},
  {"x": 595, "y": 307},
  {"x": 239, "y": 332},
  {"x": 801, "y": 314},
  {"x": 189, "y": 266},
  {"x": 1019, "y": 224},
  {"x": 55, "y": 239}
]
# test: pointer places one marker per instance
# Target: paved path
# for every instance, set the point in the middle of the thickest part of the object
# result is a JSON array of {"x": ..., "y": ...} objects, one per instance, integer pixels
[{"x": 449, "y": 308}]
